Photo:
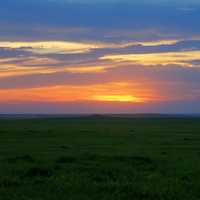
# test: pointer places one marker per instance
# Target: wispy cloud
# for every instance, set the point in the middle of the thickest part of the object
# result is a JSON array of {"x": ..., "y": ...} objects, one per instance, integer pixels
[
  {"x": 70, "y": 47},
  {"x": 50, "y": 47},
  {"x": 148, "y": 59}
]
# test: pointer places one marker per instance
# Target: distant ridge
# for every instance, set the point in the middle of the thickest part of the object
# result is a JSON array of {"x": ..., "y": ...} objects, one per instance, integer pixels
[{"x": 137, "y": 115}]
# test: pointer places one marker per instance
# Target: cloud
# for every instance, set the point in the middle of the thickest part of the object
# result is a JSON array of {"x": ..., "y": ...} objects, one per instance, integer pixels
[
  {"x": 159, "y": 42},
  {"x": 73, "y": 57},
  {"x": 15, "y": 71},
  {"x": 70, "y": 47},
  {"x": 51, "y": 47},
  {"x": 148, "y": 59},
  {"x": 44, "y": 60}
]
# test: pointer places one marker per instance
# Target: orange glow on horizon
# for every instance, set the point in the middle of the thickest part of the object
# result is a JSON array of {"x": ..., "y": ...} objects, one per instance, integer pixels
[
  {"x": 108, "y": 92},
  {"x": 113, "y": 92}
]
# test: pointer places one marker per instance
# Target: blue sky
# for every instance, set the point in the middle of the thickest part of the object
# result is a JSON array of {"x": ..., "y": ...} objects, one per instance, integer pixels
[{"x": 21, "y": 18}]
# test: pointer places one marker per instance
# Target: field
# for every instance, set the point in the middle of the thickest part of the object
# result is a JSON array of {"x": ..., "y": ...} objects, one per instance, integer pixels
[{"x": 100, "y": 158}]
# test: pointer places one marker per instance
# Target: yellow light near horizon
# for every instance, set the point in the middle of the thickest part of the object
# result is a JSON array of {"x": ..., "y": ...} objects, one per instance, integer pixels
[{"x": 118, "y": 98}]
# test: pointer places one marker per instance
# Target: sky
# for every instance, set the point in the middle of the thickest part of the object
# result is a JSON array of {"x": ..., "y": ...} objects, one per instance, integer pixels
[{"x": 100, "y": 56}]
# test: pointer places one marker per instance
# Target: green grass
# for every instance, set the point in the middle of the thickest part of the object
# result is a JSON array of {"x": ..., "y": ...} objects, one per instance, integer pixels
[{"x": 99, "y": 158}]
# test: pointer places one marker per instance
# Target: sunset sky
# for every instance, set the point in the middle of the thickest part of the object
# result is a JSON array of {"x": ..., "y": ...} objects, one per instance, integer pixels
[{"x": 100, "y": 56}]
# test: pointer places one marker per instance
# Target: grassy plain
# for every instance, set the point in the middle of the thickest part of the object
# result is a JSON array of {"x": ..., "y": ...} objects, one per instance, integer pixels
[{"x": 96, "y": 158}]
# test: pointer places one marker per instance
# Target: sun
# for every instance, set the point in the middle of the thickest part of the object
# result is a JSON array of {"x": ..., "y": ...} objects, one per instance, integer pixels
[{"x": 118, "y": 98}]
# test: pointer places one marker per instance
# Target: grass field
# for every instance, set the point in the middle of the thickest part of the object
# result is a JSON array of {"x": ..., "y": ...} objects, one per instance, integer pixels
[{"x": 100, "y": 158}]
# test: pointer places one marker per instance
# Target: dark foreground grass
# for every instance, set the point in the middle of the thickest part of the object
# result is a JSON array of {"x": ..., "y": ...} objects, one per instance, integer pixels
[{"x": 99, "y": 158}]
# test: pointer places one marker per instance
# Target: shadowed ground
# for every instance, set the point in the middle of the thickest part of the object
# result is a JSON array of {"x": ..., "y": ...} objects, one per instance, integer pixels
[{"x": 100, "y": 158}]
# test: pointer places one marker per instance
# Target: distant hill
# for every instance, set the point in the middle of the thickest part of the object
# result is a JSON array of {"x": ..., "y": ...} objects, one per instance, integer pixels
[{"x": 147, "y": 115}]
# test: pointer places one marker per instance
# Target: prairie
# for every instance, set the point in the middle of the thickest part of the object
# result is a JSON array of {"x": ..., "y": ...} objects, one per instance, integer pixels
[{"x": 83, "y": 158}]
